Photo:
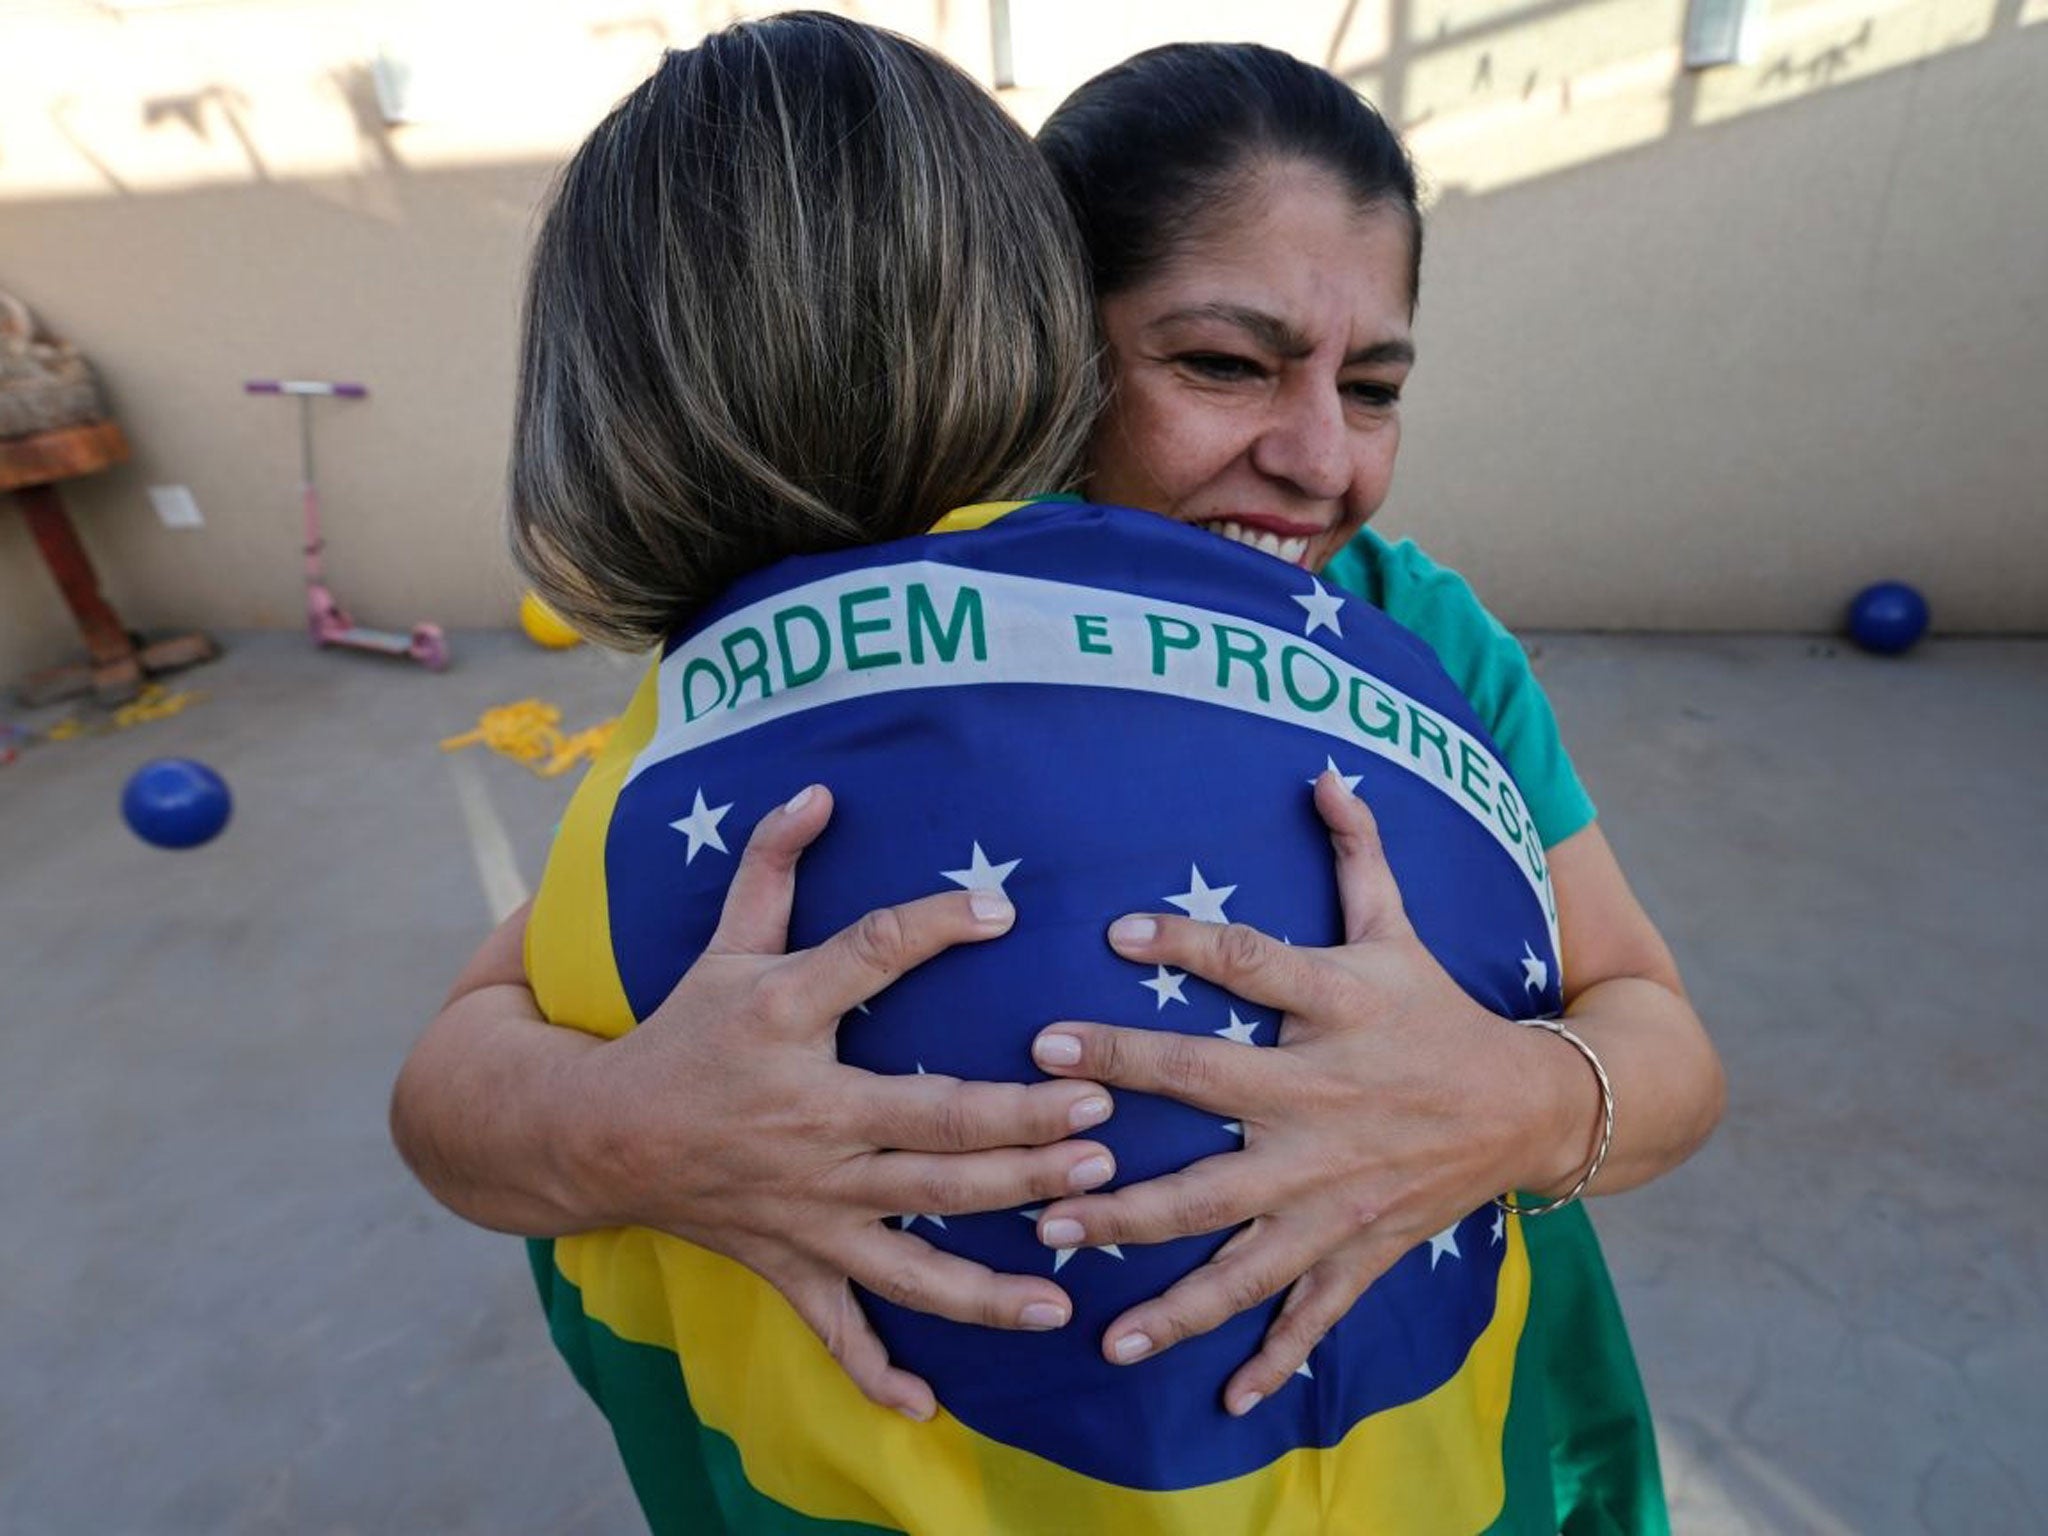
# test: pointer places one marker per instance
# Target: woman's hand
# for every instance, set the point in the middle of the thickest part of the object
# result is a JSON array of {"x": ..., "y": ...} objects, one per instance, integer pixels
[
  {"x": 739, "y": 1129},
  {"x": 725, "y": 1117},
  {"x": 1393, "y": 1106}
]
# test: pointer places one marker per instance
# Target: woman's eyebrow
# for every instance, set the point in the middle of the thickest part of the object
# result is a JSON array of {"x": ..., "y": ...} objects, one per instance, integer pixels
[
  {"x": 1283, "y": 340},
  {"x": 1390, "y": 351},
  {"x": 1268, "y": 330}
]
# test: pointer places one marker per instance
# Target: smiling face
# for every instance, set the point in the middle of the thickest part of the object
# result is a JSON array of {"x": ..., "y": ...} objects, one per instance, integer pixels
[{"x": 1258, "y": 373}]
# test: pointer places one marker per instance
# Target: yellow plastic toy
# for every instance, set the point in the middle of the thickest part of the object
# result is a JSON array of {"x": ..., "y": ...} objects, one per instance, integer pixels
[
  {"x": 530, "y": 732},
  {"x": 543, "y": 626},
  {"x": 154, "y": 702}
]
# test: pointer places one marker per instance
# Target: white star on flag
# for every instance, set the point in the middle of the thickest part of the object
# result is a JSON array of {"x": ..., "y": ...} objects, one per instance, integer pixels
[
  {"x": 1500, "y": 1225},
  {"x": 937, "y": 1221},
  {"x": 1303, "y": 1370},
  {"x": 1202, "y": 901},
  {"x": 1235, "y": 1127},
  {"x": 701, "y": 827},
  {"x": 1061, "y": 1255},
  {"x": 1444, "y": 1242},
  {"x": 980, "y": 875},
  {"x": 1322, "y": 606},
  {"x": 1166, "y": 986},
  {"x": 1348, "y": 780},
  {"x": 1243, "y": 1031},
  {"x": 1535, "y": 974}
]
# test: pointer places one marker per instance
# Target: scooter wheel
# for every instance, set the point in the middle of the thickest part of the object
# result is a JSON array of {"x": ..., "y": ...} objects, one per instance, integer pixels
[{"x": 429, "y": 647}]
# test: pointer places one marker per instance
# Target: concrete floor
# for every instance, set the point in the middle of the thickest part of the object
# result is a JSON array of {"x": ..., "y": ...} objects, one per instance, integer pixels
[{"x": 225, "y": 1309}]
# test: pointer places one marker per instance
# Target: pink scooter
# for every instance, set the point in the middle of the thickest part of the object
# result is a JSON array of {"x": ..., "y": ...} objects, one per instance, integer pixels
[{"x": 325, "y": 617}]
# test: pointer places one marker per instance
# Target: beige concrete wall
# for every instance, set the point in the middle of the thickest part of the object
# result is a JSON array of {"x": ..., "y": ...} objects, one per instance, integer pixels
[{"x": 1699, "y": 351}]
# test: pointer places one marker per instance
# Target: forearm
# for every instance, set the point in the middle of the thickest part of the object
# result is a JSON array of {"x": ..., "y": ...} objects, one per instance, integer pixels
[
  {"x": 1625, "y": 999},
  {"x": 483, "y": 1113},
  {"x": 1668, "y": 1085}
]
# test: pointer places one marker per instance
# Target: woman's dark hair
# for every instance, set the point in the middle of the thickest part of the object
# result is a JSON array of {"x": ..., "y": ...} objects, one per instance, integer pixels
[{"x": 1154, "y": 151}]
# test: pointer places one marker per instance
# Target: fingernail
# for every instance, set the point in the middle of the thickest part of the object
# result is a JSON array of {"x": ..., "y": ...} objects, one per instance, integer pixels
[
  {"x": 1347, "y": 790},
  {"x": 800, "y": 799},
  {"x": 991, "y": 907},
  {"x": 1056, "y": 1050},
  {"x": 1132, "y": 1346},
  {"x": 1043, "y": 1316},
  {"x": 1133, "y": 930},
  {"x": 915, "y": 1414},
  {"x": 1245, "y": 1403},
  {"x": 1091, "y": 1172},
  {"x": 1089, "y": 1111},
  {"x": 1061, "y": 1232}
]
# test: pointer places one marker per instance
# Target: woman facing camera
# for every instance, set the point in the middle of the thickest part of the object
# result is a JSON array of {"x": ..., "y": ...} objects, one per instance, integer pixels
[
  {"x": 1256, "y": 250},
  {"x": 718, "y": 1176}
]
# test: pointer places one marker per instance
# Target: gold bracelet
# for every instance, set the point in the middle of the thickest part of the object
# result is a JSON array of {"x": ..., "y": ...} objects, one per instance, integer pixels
[{"x": 1508, "y": 1202}]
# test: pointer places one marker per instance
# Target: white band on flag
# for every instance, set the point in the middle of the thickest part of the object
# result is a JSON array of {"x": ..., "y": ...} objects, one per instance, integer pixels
[{"x": 925, "y": 624}]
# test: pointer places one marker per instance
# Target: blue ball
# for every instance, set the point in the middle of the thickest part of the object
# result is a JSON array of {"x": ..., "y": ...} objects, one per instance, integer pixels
[
  {"x": 1887, "y": 617},
  {"x": 174, "y": 802}
]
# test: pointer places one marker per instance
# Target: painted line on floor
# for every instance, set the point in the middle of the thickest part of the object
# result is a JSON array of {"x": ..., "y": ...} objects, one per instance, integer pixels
[{"x": 497, "y": 868}]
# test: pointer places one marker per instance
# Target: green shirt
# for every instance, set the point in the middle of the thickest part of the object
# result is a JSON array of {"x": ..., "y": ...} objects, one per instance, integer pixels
[{"x": 1484, "y": 660}]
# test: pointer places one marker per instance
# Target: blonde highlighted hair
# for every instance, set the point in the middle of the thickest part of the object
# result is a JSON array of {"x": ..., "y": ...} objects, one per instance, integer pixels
[{"x": 807, "y": 287}]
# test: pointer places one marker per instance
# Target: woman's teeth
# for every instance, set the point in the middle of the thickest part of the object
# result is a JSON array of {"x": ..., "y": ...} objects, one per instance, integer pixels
[{"x": 1290, "y": 550}]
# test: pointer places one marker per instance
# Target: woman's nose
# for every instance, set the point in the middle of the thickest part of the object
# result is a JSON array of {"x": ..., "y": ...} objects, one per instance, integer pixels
[{"x": 1306, "y": 443}]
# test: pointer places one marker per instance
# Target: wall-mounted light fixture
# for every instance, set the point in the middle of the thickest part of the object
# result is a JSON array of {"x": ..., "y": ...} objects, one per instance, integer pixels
[
  {"x": 999, "y": 44},
  {"x": 392, "y": 75},
  {"x": 1722, "y": 31}
]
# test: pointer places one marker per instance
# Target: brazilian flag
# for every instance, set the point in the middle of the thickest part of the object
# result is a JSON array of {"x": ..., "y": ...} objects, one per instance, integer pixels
[{"x": 1096, "y": 711}]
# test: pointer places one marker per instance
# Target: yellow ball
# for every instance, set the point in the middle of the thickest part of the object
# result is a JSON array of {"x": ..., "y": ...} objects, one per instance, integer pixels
[{"x": 543, "y": 626}]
